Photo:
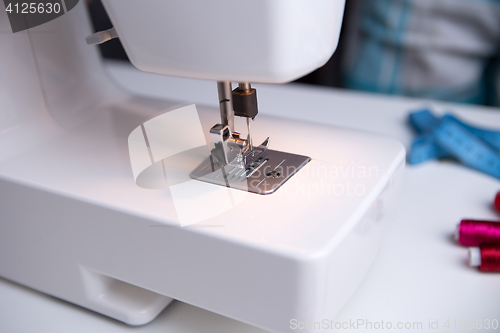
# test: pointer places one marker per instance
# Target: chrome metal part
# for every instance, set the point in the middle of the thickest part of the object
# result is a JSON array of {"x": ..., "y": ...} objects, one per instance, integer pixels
[
  {"x": 249, "y": 137},
  {"x": 101, "y": 36},
  {"x": 245, "y": 86},
  {"x": 225, "y": 148},
  {"x": 225, "y": 104},
  {"x": 234, "y": 162},
  {"x": 263, "y": 174}
]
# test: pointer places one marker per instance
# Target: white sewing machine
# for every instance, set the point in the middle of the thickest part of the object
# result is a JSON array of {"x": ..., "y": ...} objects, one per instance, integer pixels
[{"x": 74, "y": 224}]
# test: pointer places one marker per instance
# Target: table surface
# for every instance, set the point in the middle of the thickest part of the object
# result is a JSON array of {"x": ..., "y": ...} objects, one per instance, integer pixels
[{"x": 420, "y": 274}]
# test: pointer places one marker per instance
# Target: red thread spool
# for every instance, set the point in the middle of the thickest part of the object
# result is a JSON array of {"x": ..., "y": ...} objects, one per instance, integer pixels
[
  {"x": 486, "y": 257},
  {"x": 473, "y": 233},
  {"x": 497, "y": 201}
]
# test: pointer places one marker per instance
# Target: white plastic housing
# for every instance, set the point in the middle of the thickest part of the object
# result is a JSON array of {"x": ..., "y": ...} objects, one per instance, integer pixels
[{"x": 272, "y": 41}]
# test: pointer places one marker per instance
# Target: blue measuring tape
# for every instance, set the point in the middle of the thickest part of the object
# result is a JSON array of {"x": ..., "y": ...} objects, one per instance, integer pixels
[{"x": 448, "y": 137}]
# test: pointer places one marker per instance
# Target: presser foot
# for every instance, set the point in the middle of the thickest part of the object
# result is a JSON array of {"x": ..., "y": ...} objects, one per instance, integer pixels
[{"x": 234, "y": 162}]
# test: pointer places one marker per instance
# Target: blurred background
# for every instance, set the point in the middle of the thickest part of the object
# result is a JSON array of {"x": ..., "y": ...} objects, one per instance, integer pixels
[{"x": 439, "y": 49}]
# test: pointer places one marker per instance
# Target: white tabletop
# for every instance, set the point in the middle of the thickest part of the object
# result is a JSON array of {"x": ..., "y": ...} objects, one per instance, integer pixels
[{"x": 420, "y": 274}]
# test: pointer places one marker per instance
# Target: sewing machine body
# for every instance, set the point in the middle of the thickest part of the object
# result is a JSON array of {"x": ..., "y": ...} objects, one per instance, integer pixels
[
  {"x": 76, "y": 226},
  {"x": 242, "y": 41}
]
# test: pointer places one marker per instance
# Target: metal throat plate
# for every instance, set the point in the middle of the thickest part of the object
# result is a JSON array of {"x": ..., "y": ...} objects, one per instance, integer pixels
[{"x": 264, "y": 175}]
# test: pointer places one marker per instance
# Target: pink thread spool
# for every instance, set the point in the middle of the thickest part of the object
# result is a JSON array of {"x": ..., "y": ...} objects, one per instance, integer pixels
[
  {"x": 473, "y": 233},
  {"x": 496, "y": 203},
  {"x": 486, "y": 257}
]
